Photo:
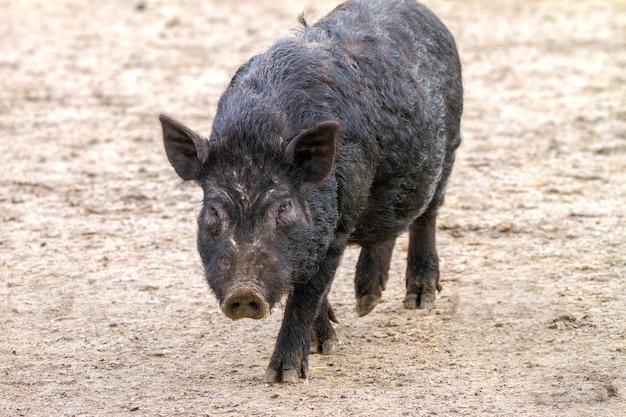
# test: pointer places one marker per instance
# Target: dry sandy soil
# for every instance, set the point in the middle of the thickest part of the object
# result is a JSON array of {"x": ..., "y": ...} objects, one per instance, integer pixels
[{"x": 103, "y": 308}]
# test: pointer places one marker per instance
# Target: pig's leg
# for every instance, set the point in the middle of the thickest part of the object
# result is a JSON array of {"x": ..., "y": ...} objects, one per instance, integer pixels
[
  {"x": 372, "y": 272},
  {"x": 323, "y": 336},
  {"x": 290, "y": 360},
  {"x": 422, "y": 273}
]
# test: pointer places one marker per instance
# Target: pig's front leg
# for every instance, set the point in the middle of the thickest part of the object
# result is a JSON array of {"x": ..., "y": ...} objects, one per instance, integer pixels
[{"x": 290, "y": 360}]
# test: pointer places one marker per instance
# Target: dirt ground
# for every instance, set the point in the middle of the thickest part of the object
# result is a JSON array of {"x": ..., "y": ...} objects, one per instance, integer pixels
[{"x": 103, "y": 307}]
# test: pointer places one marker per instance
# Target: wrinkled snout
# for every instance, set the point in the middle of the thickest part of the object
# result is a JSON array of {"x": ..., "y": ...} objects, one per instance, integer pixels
[{"x": 245, "y": 302}]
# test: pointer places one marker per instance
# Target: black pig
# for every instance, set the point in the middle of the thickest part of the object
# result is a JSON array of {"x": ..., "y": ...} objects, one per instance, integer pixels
[{"x": 343, "y": 133}]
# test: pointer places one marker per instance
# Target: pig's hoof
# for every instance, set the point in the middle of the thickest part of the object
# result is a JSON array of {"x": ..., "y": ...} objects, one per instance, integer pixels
[
  {"x": 366, "y": 304},
  {"x": 326, "y": 347},
  {"x": 329, "y": 346},
  {"x": 419, "y": 301},
  {"x": 290, "y": 376}
]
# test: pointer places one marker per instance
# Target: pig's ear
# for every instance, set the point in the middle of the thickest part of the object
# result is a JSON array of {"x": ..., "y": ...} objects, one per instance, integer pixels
[
  {"x": 314, "y": 150},
  {"x": 186, "y": 150}
]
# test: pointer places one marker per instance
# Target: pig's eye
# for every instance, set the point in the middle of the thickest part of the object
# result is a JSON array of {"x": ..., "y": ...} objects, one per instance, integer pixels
[
  {"x": 213, "y": 215},
  {"x": 282, "y": 209},
  {"x": 209, "y": 221}
]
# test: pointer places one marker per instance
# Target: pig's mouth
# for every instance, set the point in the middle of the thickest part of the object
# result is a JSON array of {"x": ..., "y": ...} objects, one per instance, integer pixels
[{"x": 245, "y": 302}]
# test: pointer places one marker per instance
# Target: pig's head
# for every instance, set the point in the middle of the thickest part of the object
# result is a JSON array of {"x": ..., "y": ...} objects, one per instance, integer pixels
[{"x": 269, "y": 209}]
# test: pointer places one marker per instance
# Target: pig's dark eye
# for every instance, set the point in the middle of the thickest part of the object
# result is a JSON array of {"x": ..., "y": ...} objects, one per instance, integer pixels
[
  {"x": 212, "y": 215},
  {"x": 283, "y": 209},
  {"x": 212, "y": 223}
]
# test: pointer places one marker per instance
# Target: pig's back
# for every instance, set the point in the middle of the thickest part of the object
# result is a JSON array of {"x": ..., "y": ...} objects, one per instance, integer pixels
[{"x": 409, "y": 95}]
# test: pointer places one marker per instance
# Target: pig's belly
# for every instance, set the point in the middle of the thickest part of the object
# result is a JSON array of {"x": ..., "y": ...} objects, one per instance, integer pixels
[{"x": 382, "y": 221}]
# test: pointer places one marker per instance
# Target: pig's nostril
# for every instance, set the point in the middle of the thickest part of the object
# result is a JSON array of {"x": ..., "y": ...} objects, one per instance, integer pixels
[{"x": 253, "y": 305}]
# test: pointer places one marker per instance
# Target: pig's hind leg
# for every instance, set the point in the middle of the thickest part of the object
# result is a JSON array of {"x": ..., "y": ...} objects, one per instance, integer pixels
[
  {"x": 422, "y": 273},
  {"x": 372, "y": 273}
]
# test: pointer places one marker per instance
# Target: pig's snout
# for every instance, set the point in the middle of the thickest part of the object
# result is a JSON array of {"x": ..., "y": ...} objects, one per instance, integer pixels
[{"x": 245, "y": 302}]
